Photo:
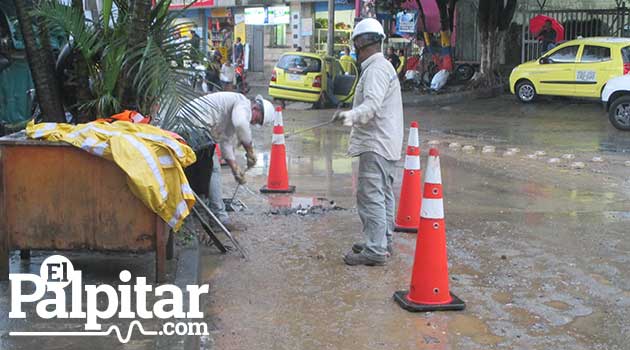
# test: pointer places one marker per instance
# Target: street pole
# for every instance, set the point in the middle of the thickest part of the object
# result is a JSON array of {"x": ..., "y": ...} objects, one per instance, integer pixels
[{"x": 331, "y": 28}]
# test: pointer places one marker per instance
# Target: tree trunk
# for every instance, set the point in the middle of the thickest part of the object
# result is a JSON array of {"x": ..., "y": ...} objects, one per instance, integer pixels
[
  {"x": 41, "y": 64},
  {"x": 81, "y": 76},
  {"x": 140, "y": 16}
]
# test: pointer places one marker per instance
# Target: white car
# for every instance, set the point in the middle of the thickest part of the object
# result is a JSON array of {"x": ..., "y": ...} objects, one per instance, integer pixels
[{"x": 616, "y": 99}]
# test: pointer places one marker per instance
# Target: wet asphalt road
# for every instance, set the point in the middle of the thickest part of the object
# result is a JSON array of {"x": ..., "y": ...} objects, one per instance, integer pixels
[{"x": 537, "y": 249}]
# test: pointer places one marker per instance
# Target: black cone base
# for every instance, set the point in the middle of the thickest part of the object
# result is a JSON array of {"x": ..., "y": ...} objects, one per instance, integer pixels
[
  {"x": 405, "y": 229},
  {"x": 264, "y": 189},
  {"x": 401, "y": 298}
]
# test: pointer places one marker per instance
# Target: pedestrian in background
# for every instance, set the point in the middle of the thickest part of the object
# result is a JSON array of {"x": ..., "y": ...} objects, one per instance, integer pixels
[
  {"x": 547, "y": 37},
  {"x": 227, "y": 75},
  {"x": 239, "y": 50},
  {"x": 393, "y": 58},
  {"x": 376, "y": 138}
]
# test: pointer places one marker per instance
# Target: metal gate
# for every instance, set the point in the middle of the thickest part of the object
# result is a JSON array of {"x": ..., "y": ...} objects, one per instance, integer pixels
[
  {"x": 467, "y": 45},
  {"x": 256, "y": 39},
  {"x": 577, "y": 23}
]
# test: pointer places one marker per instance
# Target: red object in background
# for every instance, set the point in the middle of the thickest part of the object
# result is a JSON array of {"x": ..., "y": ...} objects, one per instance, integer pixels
[
  {"x": 536, "y": 25},
  {"x": 199, "y": 3},
  {"x": 412, "y": 63}
]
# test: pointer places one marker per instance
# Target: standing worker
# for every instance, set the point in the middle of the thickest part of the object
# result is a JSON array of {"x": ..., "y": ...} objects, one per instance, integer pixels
[
  {"x": 230, "y": 116},
  {"x": 376, "y": 138}
]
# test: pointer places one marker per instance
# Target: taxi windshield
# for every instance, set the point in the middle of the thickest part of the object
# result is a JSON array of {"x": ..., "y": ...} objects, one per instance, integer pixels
[{"x": 300, "y": 64}]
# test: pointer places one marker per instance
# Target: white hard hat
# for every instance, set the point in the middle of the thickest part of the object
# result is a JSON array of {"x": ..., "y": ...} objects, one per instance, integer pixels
[
  {"x": 368, "y": 26},
  {"x": 268, "y": 110}
]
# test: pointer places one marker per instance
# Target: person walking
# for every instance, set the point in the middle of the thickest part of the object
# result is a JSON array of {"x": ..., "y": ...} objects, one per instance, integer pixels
[
  {"x": 376, "y": 139},
  {"x": 228, "y": 116},
  {"x": 239, "y": 50}
]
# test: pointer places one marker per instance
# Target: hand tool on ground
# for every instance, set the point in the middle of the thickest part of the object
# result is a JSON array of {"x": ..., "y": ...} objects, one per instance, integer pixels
[
  {"x": 316, "y": 126},
  {"x": 208, "y": 230},
  {"x": 233, "y": 204},
  {"x": 221, "y": 226}
]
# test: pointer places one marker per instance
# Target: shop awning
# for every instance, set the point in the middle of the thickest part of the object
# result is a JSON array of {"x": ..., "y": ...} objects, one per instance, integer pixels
[{"x": 431, "y": 13}]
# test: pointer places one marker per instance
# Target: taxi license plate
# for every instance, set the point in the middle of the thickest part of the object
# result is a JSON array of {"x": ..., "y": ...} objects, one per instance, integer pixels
[{"x": 294, "y": 77}]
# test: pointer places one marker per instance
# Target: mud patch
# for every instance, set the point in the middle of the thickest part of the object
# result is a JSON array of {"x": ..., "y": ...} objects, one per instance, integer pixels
[
  {"x": 502, "y": 297},
  {"x": 473, "y": 328},
  {"x": 290, "y": 205}
]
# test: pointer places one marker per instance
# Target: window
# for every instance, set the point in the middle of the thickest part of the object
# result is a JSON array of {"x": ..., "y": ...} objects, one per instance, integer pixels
[
  {"x": 300, "y": 64},
  {"x": 625, "y": 52},
  {"x": 595, "y": 54},
  {"x": 278, "y": 36},
  {"x": 564, "y": 55}
]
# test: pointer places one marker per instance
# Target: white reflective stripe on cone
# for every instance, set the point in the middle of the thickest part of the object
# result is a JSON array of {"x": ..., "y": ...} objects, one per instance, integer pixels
[
  {"x": 432, "y": 208},
  {"x": 277, "y": 120},
  {"x": 277, "y": 139},
  {"x": 432, "y": 174},
  {"x": 414, "y": 140},
  {"x": 412, "y": 163}
]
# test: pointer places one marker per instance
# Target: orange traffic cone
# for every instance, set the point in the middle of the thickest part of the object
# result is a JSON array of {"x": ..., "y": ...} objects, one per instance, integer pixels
[
  {"x": 278, "y": 178},
  {"x": 429, "y": 277},
  {"x": 410, "y": 192}
]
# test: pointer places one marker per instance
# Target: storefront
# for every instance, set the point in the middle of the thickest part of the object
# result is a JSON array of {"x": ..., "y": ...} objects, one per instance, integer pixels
[
  {"x": 211, "y": 20},
  {"x": 344, "y": 22}
]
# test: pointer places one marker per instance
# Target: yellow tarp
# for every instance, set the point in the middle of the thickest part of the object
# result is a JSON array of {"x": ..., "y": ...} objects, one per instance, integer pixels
[{"x": 152, "y": 159}]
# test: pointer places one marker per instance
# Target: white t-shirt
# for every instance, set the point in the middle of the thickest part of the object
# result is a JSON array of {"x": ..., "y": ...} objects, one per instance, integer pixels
[{"x": 227, "y": 73}]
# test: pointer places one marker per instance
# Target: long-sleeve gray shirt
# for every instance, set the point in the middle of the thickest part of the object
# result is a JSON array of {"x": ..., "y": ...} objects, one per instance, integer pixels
[
  {"x": 227, "y": 115},
  {"x": 377, "y": 111}
]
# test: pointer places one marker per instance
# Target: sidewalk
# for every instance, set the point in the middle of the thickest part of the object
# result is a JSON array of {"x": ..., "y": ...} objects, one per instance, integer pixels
[
  {"x": 260, "y": 86},
  {"x": 99, "y": 269}
]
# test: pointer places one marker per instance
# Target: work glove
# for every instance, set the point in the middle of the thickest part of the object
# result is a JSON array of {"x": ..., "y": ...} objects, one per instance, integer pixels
[
  {"x": 344, "y": 116},
  {"x": 239, "y": 176},
  {"x": 251, "y": 159}
]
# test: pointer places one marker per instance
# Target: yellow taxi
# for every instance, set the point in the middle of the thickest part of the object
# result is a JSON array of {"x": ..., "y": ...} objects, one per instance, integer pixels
[
  {"x": 307, "y": 77},
  {"x": 577, "y": 68}
]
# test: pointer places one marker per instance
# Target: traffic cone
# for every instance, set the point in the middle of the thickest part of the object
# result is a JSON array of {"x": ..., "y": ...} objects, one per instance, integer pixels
[
  {"x": 429, "y": 278},
  {"x": 410, "y": 192},
  {"x": 278, "y": 178}
]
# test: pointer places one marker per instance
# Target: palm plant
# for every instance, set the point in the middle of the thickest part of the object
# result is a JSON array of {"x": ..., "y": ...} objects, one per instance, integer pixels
[{"x": 133, "y": 57}]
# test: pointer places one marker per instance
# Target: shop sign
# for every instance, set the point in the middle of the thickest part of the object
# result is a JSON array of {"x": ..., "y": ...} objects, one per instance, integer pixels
[
  {"x": 406, "y": 22},
  {"x": 178, "y": 4},
  {"x": 267, "y": 15}
]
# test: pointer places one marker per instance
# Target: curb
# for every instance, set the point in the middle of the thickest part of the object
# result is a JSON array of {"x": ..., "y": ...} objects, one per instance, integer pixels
[
  {"x": 187, "y": 272},
  {"x": 451, "y": 98}
]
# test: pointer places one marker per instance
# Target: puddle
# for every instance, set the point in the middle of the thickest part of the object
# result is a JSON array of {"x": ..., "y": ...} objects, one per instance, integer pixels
[
  {"x": 556, "y": 304},
  {"x": 473, "y": 328},
  {"x": 522, "y": 316}
]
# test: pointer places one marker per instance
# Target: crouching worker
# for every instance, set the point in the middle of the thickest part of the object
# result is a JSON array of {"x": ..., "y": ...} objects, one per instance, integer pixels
[
  {"x": 229, "y": 116},
  {"x": 376, "y": 138}
]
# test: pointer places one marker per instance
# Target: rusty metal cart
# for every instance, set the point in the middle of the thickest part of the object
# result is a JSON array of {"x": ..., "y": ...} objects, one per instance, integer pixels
[{"x": 54, "y": 196}]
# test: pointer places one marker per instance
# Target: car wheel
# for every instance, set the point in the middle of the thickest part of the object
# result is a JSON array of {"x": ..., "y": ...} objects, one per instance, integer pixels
[
  {"x": 525, "y": 91},
  {"x": 464, "y": 72},
  {"x": 619, "y": 113}
]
